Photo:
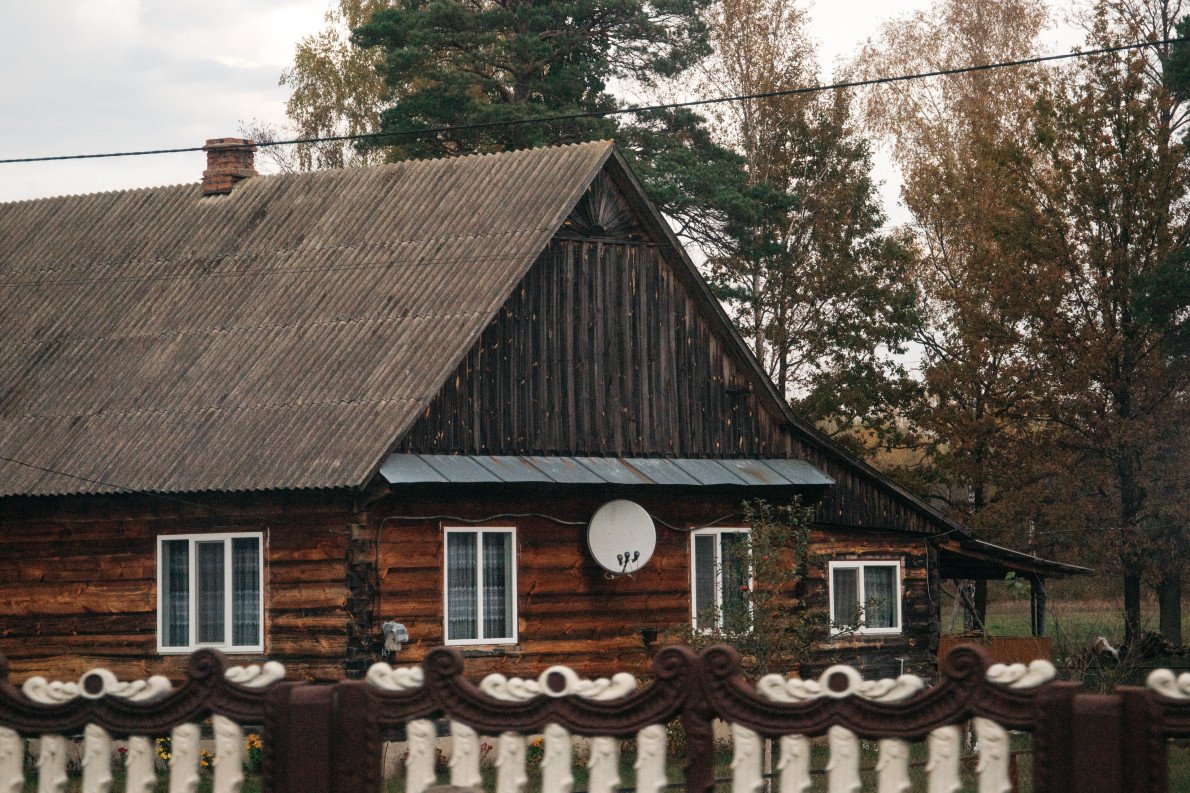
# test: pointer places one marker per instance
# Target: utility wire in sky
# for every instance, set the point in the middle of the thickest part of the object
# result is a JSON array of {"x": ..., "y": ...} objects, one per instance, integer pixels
[{"x": 632, "y": 108}]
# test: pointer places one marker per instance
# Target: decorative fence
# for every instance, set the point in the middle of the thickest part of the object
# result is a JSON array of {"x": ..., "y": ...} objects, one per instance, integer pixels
[{"x": 329, "y": 738}]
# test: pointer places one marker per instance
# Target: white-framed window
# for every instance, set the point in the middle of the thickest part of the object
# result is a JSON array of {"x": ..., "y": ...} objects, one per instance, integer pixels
[
  {"x": 210, "y": 592},
  {"x": 480, "y": 585},
  {"x": 865, "y": 597},
  {"x": 719, "y": 579}
]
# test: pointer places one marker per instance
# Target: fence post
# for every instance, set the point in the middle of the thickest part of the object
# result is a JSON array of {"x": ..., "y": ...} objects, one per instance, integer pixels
[
  {"x": 357, "y": 747},
  {"x": 1097, "y": 746},
  {"x": 322, "y": 739},
  {"x": 700, "y": 746},
  {"x": 297, "y": 748}
]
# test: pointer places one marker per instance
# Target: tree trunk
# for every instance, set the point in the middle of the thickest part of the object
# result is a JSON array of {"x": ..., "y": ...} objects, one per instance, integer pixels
[
  {"x": 1169, "y": 604},
  {"x": 1131, "y": 606}
]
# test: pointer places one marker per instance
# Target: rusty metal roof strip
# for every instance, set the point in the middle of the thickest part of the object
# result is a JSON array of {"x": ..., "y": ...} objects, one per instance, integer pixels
[{"x": 411, "y": 469}]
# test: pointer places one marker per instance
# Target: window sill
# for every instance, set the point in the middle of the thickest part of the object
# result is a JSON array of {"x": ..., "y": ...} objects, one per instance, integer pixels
[
  {"x": 224, "y": 650},
  {"x": 868, "y": 634},
  {"x": 497, "y": 651}
]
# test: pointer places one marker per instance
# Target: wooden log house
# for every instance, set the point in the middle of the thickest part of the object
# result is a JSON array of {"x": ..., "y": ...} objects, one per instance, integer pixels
[{"x": 270, "y": 414}]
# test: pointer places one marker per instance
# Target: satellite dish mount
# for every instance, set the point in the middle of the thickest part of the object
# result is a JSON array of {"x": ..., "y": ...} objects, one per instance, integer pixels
[{"x": 621, "y": 537}]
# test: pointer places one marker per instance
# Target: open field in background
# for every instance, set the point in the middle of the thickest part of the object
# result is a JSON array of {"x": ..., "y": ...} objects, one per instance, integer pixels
[{"x": 1090, "y": 606}]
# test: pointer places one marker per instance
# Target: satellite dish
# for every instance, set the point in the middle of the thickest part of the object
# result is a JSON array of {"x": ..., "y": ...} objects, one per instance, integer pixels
[{"x": 621, "y": 536}]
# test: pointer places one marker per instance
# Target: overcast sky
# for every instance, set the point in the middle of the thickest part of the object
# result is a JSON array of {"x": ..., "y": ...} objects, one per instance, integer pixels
[{"x": 113, "y": 75}]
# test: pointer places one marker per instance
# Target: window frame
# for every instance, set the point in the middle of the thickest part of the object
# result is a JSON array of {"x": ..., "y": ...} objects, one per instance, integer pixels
[
  {"x": 479, "y": 614},
  {"x": 192, "y": 581},
  {"x": 716, "y": 532},
  {"x": 860, "y": 585}
]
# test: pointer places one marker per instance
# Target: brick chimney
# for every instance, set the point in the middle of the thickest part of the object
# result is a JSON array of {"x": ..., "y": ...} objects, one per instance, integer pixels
[{"x": 228, "y": 161}]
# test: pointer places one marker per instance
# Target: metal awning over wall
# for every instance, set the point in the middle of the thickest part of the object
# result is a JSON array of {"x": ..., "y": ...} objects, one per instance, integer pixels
[
  {"x": 484, "y": 469},
  {"x": 966, "y": 557}
]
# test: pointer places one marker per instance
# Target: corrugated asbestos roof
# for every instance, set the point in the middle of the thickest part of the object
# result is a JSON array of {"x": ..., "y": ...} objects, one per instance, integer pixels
[
  {"x": 280, "y": 337},
  {"x": 481, "y": 469}
]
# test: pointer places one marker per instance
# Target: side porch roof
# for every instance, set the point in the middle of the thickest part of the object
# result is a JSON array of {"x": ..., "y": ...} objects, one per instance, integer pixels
[{"x": 961, "y": 557}]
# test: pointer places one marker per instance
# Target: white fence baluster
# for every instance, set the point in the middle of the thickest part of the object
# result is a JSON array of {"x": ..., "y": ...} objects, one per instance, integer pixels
[
  {"x": 558, "y": 681},
  {"x": 183, "y": 764},
  {"x": 605, "y": 765},
  {"x": 12, "y": 761},
  {"x": 229, "y": 736},
  {"x": 994, "y": 748},
  {"x": 229, "y": 755},
  {"x": 419, "y": 762},
  {"x": 993, "y": 756},
  {"x": 794, "y": 764},
  {"x": 51, "y": 765},
  {"x": 892, "y": 767},
  {"x": 745, "y": 760},
  {"x": 651, "y": 746},
  {"x": 140, "y": 775},
  {"x": 843, "y": 767},
  {"x": 464, "y": 756},
  {"x": 943, "y": 764},
  {"x": 422, "y": 735},
  {"x": 556, "y": 775},
  {"x": 839, "y": 682},
  {"x": 510, "y": 764},
  {"x": 97, "y": 760}
]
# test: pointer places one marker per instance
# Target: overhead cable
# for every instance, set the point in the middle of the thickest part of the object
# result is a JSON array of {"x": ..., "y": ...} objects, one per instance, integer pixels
[{"x": 623, "y": 110}]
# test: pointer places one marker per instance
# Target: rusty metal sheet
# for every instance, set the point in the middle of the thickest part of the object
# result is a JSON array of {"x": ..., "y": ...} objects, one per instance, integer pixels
[
  {"x": 754, "y": 472},
  {"x": 798, "y": 472},
  {"x": 611, "y": 471},
  {"x": 408, "y": 469},
  {"x": 460, "y": 468},
  {"x": 709, "y": 472},
  {"x": 661, "y": 470},
  {"x": 511, "y": 469},
  {"x": 565, "y": 470}
]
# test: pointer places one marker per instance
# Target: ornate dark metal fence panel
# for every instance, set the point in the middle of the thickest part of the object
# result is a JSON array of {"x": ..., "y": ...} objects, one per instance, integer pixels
[{"x": 330, "y": 738}]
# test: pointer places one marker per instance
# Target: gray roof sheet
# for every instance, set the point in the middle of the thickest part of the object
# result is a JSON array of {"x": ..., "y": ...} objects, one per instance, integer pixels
[
  {"x": 283, "y": 336},
  {"x": 465, "y": 469}
]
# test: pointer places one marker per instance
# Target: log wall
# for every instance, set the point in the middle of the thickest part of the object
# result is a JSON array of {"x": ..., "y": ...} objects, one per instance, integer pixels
[
  {"x": 78, "y": 581},
  {"x": 570, "y": 612}
]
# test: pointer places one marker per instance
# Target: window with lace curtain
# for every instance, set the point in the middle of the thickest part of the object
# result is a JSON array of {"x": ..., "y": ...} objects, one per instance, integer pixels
[
  {"x": 480, "y": 583},
  {"x": 865, "y": 597},
  {"x": 720, "y": 579},
  {"x": 209, "y": 592}
]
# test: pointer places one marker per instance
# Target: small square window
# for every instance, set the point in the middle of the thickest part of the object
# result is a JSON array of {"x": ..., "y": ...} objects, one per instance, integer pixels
[
  {"x": 209, "y": 592},
  {"x": 480, "y": 584},
  {"x": 865, "y": 597}
]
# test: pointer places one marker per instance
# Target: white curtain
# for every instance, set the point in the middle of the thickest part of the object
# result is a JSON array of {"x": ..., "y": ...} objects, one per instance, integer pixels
[
  {"x": 210, "y": 592},
  {"x": 704, "y": 580},
  {"x": 497, "y": 604},
  {"x": 175, "y": 589},
  {"x": 880, "y": 594},
  {"x": 845, "y": 593},
  {"x": 461, "y": 585},
  {"x": 734, "y": 562},
  {"x": 245, "y": 591}
]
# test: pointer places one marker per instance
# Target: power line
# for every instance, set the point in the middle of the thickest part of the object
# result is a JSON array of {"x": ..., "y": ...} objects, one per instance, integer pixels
[{"x": 630, "y": 109}]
